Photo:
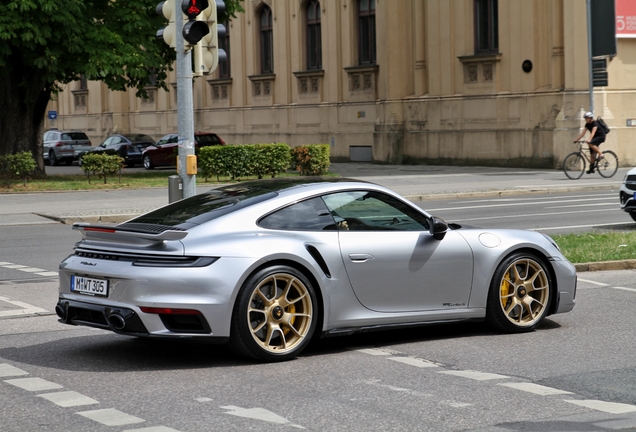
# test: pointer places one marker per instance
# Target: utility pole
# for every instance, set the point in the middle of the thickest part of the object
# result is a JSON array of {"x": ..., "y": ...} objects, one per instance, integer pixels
[{"x": 185, "y": 109}]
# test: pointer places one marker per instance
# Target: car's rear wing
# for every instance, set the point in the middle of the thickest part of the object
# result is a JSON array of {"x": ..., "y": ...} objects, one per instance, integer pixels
[{"x": 117, "y": 233}]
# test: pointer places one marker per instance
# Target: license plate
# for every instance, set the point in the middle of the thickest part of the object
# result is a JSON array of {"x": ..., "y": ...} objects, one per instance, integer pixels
[{"x": 91, "y": 286}]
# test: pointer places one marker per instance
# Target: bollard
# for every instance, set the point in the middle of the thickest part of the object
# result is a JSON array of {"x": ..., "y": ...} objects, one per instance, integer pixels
[{"x": 175, "y": 188}]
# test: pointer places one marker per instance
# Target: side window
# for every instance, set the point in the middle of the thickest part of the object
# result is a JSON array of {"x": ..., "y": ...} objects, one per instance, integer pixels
[
  {"x": 314, "y": 43},
  {"x": 47, "y": 136},
  {"x": 66, "y": 137},
  {"x": 373, "y": 211},
  {"x": 108, "y": 142},
  {"x": 366, "y": 32},
  {"x": 173, "y": 139},
  {"x": 308, "y": 215},
  {"x": 267, "y": 41}
]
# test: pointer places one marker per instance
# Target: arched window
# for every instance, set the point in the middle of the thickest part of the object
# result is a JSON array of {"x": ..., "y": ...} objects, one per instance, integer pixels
[
  {"x": 314, "y": 44},
  {"x": 267, "y": 41},
  {"x": 366, "y": 32}
]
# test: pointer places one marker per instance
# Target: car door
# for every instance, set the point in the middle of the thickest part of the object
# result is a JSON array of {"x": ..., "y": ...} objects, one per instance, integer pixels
[
  {"x": 393, "y": 262},
  {"x": 167, "y": 153}
]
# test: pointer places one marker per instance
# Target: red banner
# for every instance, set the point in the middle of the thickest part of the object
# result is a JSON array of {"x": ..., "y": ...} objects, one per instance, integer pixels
[{"x": 626, "y": 18}]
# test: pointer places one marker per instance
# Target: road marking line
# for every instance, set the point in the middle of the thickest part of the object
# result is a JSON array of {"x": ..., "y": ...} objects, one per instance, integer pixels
[
  {"x": 33, "y": 384},
  {"x": 4, "y": 263},
  {"x": 474, "y": 375},
  {"x": 608, "y": 407},
  {"x": 111, "y": 417},
  {"x": 578, "y": 226},
  {"x": 153, "y": 429},
  {"x": 593, "y": 282},
  {"x": 535, "y": 388},
  {"x": 14, "y": 266},
  {"x": 32, "y": 269},
  {"x": 257, "y": 414},
  {"x": 373, "y": 351},
  {"x": 528, "y": 214},
  {"x": 48, "y": 273},
  {"x": 68, "y": 399},
  {"x": 203, "y": 399},
  {"x": 6, "y": 370},
  {"x": 511, "y": 205},
  {"x": 411, "y": 361},
  {"x": 582, "y": 205},
  {"x": 378, "y": 383},
  {"x": 625, "y": 289},
  {"x": 27, "y": 309}
]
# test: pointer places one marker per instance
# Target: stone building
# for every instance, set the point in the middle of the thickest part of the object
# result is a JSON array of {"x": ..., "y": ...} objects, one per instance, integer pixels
[{"x": 489, "y": 82}]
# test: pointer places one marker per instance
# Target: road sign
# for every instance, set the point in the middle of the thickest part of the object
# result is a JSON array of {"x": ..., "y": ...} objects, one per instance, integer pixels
[{"x": 52, "y": 115}]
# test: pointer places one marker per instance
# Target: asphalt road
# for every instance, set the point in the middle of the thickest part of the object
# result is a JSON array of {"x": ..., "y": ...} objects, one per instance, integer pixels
[{"x": 575, "y": 373}]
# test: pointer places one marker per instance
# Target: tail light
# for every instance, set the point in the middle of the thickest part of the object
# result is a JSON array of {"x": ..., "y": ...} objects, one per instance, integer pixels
[
  {"x": 59, "y": 144},
  {"x": 221, "y": 141}
]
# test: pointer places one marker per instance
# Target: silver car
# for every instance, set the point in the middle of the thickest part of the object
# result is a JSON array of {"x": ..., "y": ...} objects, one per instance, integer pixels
[
  {"x": 64, "y": 146},
  {"x": 627, "y": 193},
  {"x": 267, "y": 265}
]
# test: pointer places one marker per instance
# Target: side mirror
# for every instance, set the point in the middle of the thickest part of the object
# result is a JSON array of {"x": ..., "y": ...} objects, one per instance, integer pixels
[{"x": 438, "y": 228}]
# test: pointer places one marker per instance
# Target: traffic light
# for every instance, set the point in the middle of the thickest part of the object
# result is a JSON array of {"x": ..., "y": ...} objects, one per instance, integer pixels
[
  {"x": 168, "y": 33},
  {"x": 195, "y": 29},
  {"x": 207, "y": 53}
]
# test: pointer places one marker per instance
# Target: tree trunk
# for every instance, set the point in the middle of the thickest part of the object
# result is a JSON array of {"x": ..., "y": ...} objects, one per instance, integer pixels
[{"x": 24, "y": 96}]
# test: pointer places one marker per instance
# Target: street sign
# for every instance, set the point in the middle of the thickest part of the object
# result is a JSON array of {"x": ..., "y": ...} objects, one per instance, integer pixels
[{"x": 52, "y": 115}]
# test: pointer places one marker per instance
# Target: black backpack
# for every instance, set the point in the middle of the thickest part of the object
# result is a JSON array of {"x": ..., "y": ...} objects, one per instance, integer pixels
[{"x": 603, "y": 125}]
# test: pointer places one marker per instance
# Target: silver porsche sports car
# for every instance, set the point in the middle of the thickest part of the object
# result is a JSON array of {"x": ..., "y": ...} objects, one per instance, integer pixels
[{"x": 267, "y": 265}]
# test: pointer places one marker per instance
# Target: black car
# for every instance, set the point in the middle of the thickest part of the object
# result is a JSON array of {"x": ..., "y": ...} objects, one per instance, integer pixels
[{"x": 129, "y": 147}]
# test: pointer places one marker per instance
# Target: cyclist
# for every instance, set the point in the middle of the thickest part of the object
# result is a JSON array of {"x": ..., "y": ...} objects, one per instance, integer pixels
[{"x": 597, "y": 137}]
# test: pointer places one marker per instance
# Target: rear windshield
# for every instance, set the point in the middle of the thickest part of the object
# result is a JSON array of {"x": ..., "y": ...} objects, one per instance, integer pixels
[
  {"x": 74, "y": 136},
  {"x": 207, "y": 139},
  {"x": 204, "y": 207},
  {"x": 140, "y": 138}
]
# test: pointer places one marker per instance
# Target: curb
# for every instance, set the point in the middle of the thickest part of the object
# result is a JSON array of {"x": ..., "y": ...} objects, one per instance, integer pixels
[
  {"x": 506, "y": 192},
  {"x": 606, "y": 265}
]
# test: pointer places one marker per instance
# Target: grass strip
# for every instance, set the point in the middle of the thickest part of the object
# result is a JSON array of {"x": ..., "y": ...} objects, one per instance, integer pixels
[{"x": 597, "y": 247}]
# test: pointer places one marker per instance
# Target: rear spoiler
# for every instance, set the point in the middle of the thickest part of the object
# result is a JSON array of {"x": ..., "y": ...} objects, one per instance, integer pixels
[{"x": 114, "y": 232}]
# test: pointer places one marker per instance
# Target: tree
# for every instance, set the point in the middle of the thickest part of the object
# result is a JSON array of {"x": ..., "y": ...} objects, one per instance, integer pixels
[{"x": 47, "y": 43}]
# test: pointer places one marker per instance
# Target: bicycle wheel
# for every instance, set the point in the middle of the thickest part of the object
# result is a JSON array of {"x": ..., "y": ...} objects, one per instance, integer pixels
[
  {"x": 608, "y": 165},
  {"x": 574, "y": 165}
]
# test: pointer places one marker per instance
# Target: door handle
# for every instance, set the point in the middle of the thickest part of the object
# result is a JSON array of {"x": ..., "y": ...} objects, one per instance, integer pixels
[{"x": 360, "y": 257}]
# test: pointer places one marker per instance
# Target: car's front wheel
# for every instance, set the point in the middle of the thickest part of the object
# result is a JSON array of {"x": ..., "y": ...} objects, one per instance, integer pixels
[
  {"x": 520, "y": 294},
  {"x": 275, "y": 315},
  {"x": 148, "y": 163}
]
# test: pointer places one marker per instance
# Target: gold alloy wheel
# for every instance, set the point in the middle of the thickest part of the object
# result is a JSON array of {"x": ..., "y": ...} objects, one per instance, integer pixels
[
  {"x": 524, "y": 292},
  {"x": 280, "y": 313}
]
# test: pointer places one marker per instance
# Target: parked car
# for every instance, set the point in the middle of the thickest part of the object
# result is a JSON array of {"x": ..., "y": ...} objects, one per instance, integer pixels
[
  {"x": 268, "y": 264},
  {"x": 165, "y": 152},
  {"x": 129, "y": 147},
  {"x": 64, "y": 146},
  {"x": 627, "y": 193}
]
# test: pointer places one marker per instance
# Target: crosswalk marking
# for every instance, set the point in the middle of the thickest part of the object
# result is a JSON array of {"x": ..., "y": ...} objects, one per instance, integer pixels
[
  {"x": 153, "y": 429},
  {"x": 535, "y": 388},
  {"x": 474, "y": 375},
  {"x": 68, "y": 399},
  {"x": 26, "y": 309},
  {"x": 608, "y": 407},
  {"x": 111, "y": 417},
  {"x": 6, "y": 370},
  {"x": 28, "y": 269},
  {"x": 412, "y": 361},
  {"x": 33, "y": 384}
]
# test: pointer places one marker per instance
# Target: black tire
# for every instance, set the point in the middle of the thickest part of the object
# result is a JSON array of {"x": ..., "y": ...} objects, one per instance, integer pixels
[
  {"x": 148, "y": 163},
  {"x": 608, "y": 165},
  {"x": 574, "y": 165},
  {"x": 53, "y": 161},
  {"x": 520, "y": 294},
  {"x": 275, "y": 315}
]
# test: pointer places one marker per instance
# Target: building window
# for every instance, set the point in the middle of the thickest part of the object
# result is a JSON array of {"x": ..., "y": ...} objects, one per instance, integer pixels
[
  {"x": 486, "y": 27},
  {"x": 267, "y": 41},
  {"x": 314, "y": 45},
  {"x": 224, "y": 44},
  {"x": 83, "y": 83},
  {"x": 366, "y": 32}
]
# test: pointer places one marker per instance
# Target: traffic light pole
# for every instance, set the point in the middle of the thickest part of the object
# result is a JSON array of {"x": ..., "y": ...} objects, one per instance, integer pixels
[{"x": 185, "y": 111}]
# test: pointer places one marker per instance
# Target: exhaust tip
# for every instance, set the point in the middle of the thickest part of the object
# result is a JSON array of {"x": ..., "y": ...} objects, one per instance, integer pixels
[
  {"x": 117, "y": 322},
  {"x": 61, "y": 312}
]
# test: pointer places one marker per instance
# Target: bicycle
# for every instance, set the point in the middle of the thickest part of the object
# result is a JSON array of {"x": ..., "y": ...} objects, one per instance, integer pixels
[{"x": 575, "y": 163}]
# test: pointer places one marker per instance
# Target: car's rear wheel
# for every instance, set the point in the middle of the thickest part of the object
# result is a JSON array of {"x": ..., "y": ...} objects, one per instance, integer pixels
[
  {"x": 53, "y": 161},
  {"x": 520, "y": 294},
  {"x": 275, "y": 315},
  {"x": 148, "y": 163}
]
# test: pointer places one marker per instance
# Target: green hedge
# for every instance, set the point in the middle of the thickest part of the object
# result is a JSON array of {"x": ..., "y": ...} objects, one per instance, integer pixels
[
  {"x": 20, "y": 165},
  {"x": 247, "y": 160},
  {"x": 102, "y": 165}
]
